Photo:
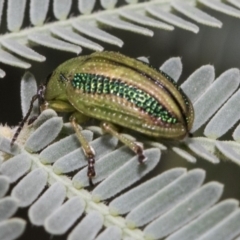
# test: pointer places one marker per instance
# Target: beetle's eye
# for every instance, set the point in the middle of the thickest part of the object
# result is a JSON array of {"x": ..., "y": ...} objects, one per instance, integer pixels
[
  {"x": 63, "y": 78},
  {"x": 48, "y": 77}
]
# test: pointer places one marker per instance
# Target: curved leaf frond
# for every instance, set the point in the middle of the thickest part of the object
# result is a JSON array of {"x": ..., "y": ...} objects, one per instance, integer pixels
[{"x": 65, "y": 34}]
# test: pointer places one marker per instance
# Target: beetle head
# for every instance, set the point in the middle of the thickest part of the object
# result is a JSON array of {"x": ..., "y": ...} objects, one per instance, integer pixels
[{"x": 58, "y": 80}]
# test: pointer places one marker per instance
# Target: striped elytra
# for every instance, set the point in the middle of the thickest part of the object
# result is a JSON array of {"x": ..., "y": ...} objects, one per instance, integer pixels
[
  {"x": 97, "y": 84},
  {"x": 124, "y": 91}
]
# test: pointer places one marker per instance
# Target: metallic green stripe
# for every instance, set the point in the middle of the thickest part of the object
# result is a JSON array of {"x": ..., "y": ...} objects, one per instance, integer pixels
[
  {"x": 181, "y": 106},
  {"x": 98, "y": 84}
]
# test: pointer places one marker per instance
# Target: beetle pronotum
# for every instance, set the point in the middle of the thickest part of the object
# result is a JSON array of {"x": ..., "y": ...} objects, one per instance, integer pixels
[{"x": 119, "y": 91}]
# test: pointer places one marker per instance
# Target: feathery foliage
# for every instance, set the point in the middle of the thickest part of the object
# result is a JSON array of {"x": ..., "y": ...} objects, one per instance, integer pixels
[{"x": 67, "y": 33}]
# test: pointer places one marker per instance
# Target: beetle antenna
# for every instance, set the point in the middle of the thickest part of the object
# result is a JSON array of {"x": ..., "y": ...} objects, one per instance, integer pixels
[
  {"x": 63, "y": 78},
  {"x": 24, "y": 120},
  {"x": 40, "y": 98}
]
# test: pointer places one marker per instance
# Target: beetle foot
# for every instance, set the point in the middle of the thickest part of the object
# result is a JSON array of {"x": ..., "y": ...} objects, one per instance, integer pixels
[
  {"x": 90, "y": 182},
  {"x": 91, "y": 170},
  {"x": 142, "y": 159},
  {"x": 139, "y": 151}
]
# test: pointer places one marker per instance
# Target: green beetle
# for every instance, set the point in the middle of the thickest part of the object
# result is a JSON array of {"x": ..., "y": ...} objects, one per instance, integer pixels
[{"x": 119, "y": 91}]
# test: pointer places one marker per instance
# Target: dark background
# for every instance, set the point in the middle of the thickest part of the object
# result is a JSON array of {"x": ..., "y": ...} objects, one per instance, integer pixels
[{"x": 219, "y": 47}]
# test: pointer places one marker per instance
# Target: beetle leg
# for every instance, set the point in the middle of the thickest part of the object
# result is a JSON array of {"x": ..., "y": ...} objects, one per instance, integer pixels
[
  {"x": 110, "y": 128},
  {"x": 88, "y": 150},
  {"x": 58, "y": 106}
]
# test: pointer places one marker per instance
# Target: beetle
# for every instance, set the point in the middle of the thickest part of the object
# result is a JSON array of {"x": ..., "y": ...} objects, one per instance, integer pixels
[{"x": 119, "y": 91}]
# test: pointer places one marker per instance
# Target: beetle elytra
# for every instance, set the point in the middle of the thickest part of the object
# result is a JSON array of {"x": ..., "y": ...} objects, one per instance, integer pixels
[{"x": 118, "y": 90}]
